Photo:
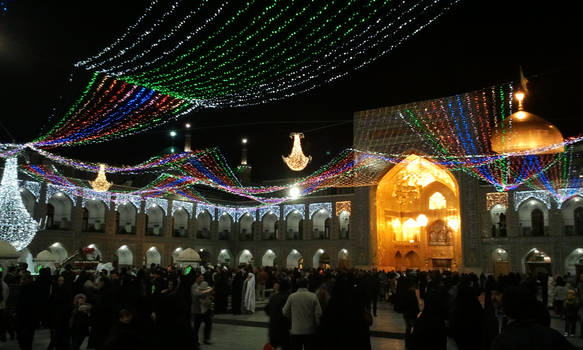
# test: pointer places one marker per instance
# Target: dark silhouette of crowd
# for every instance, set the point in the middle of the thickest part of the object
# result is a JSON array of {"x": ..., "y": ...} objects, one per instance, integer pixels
[
  {"x": 476, "y": 312},
  {"x": 155, "y": 307}
]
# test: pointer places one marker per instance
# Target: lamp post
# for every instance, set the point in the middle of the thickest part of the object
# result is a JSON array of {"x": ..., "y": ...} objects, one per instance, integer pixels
[
  {"x": 172, "y": 136},
  {"x": 187, "y": 138}
]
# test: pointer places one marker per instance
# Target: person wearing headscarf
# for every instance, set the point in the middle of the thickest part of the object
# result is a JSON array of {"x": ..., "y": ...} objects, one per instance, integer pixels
[{"x": 80, "y": 320}]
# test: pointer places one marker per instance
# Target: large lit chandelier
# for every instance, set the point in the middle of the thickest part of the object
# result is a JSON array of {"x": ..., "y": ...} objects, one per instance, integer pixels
[
  {"x": 297, "y": 161},
  {"x": 17, "y": 227},
  {"x": 100, "y": 184}
]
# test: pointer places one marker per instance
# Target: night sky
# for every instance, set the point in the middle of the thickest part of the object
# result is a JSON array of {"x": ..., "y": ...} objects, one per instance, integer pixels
[{"x": 477, "y": 44}]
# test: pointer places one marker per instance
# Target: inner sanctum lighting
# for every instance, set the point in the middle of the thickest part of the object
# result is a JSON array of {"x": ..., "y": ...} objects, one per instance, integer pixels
[{"x": 297, "y": 161}]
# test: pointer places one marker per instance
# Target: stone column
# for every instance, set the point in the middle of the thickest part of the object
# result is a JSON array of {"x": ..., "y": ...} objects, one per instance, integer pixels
[
  {"x": 110, "y": 222},
  {"x": 556, "y": 224},
  {"x": 141, "y": 221},
  {"x": 512, "y": 220},
  {"x": 280, "y": 225},
  {"x": 77, "y": 215}
]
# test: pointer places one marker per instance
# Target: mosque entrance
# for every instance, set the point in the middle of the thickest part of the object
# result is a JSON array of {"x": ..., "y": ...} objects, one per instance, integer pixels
[{"x": 418, "y": 217}]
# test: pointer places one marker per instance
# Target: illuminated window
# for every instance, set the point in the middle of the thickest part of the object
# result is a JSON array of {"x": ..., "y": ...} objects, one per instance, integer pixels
[{"x": 437, "y": 201}]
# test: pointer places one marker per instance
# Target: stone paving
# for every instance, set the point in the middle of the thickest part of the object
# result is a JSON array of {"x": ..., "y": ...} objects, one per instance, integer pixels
[{"x": 249, "y": 332}]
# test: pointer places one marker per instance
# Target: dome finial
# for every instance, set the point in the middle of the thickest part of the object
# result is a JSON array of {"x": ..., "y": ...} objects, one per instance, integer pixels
[{"x": 519, "y": 95}]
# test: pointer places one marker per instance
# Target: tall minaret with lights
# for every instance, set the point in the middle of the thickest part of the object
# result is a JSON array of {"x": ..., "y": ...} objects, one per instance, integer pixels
[{"x": 244, "y": 169}]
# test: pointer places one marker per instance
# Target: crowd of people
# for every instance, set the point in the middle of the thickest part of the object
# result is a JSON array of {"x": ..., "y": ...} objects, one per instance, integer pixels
[{"x": 130, "y": 308}]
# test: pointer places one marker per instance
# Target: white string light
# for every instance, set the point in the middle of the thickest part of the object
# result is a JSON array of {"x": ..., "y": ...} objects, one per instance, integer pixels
[{"x": 17, "y": 227}]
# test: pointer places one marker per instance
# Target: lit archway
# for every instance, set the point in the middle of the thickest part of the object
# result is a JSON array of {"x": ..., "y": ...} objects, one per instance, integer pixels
[
  {"x": 498, "y": 219},
  {"x": 203, "y": 221},
  {"x": 126, "y": 218},
  {"x": 61, "y": 206},
  {"x": 154, "y": 220},
  {"x": 180, "y": 222},
  {"x": 245, "y": 257},
  {"x": 268, "y": 226},
  {"x": 534, "y": 217},
  {"x": 95, "y": 216},
  {"x": 572, "y": 211},
  {"x": 344, "y": 224},
  {"x": 59, "y": 251},
  {"x": 268, "y": 258},
  {"x": 574, "y": 262},
  {"x": 246, "y": 227},
  {"x": 176, "y": 253},
  {"x": 293, "y": 259},
  {"x": 125, "y": 257},
  {"x": 292, "y": 223},
  {"x": 224, "y": 257},
  {"x": 418, "y": 212},
  {"x": 501, "y": 260},
  {"x": 343, "y": 259},
  {"x": 536, "y": 260},
  {"x": 321, "y": 224},
  {"x": 225, "y": 222},
  {"x": 321, "y": 259},
  {"x": 153, "y": 257}
]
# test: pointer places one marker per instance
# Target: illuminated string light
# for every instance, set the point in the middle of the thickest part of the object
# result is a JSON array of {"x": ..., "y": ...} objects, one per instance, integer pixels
[
  {"x": 304, "y": 45},
  {"x": 17, "y": 227}
]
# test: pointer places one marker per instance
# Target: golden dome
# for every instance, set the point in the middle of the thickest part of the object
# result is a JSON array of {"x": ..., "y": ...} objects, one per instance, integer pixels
[{"x": 524, "y": 132}]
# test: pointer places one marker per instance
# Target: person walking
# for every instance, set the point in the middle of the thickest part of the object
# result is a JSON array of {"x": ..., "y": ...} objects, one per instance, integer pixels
[
  {"x": 304, "y": 311},
  {"x": 278, "y": 324},
  {"x": 262, "y": 277},
  {"x": 571, "y": 309},
  {"x": 201, "y": 308},
  {"x": 559, "y": 296}
]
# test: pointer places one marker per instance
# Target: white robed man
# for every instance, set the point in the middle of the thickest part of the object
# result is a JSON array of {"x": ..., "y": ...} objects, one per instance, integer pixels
[{"x": 249, "y": 294}]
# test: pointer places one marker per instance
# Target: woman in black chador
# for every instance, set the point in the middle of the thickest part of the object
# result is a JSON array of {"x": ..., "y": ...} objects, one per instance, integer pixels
[{"x": 237, "y": 292}]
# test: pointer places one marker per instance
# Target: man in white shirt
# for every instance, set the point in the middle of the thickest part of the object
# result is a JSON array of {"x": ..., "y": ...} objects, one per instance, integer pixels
[{"x": 304, "y": 311}]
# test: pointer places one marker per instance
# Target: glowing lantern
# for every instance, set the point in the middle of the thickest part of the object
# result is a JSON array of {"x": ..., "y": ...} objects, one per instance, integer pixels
[
  {"x": 100, "y": 184},
  {"x": 523, "y": 132},
  {"x": 422, "y": 220},
  {"x": 296, "y": 161}
]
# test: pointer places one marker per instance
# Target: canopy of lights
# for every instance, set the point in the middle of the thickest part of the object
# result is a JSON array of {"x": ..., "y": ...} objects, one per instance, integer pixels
[{"x": 181, "y": 57}]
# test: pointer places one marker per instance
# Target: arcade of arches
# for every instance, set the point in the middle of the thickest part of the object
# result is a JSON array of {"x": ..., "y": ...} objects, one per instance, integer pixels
[{"x": 418, "y": 217}]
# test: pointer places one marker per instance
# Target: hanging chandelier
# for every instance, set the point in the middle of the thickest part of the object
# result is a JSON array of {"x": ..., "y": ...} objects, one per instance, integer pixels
[
  {"x": 100, "y": 184},
  {"x": 297, "y": 161},
  {"x": 17, "y": 227}
]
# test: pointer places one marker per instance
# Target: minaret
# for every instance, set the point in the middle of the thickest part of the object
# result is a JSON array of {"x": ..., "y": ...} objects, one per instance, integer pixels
[
  {"x": 244, "y": 169},
  {"x": 187, "y": 138}
]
